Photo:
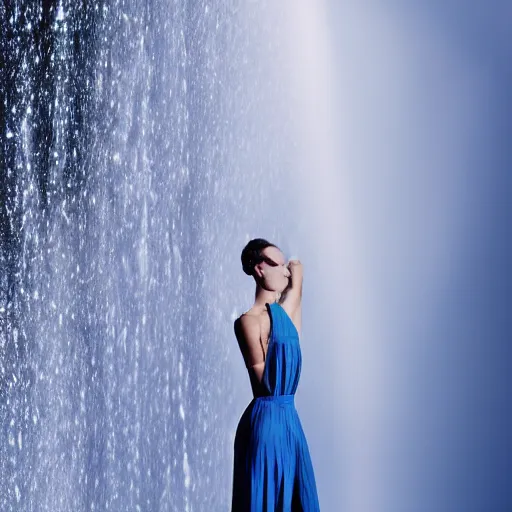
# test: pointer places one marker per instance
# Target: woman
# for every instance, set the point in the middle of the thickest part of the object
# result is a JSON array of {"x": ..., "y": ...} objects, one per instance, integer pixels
[{"x": 272, "y": 465}]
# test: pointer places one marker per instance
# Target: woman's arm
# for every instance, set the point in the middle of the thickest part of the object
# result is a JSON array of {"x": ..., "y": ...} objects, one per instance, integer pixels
[{"x": 247, "y": 331}]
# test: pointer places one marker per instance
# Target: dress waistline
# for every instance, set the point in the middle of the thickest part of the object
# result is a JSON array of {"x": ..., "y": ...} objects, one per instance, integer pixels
[{"x": 281, "y": 399}]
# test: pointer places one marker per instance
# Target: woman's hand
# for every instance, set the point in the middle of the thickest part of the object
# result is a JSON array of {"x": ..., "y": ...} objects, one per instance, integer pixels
[
  {"x": 293, "y": 265},
  {"x": 295, "y": 269}
]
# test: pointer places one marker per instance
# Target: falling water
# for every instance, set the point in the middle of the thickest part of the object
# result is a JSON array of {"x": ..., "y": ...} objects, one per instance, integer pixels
[{"x": 117, "y": 123}]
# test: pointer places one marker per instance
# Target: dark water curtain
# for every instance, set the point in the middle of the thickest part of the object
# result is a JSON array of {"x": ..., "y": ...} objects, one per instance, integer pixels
[{"x": 114, "y": 124}]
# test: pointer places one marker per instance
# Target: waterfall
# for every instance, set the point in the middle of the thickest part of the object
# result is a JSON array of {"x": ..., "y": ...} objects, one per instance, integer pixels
[{"x": 120, "y": 122}]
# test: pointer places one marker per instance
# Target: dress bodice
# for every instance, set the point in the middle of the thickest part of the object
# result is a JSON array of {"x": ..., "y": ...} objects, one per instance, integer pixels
[{"x": 284, "y": 359}]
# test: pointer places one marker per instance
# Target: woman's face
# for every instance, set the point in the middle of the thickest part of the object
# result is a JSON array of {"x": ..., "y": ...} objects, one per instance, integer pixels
[{"x": 275, "y": 271}]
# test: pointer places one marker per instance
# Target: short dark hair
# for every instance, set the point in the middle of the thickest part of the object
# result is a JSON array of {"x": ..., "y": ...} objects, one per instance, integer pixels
[{"x": 252, "y": 254}]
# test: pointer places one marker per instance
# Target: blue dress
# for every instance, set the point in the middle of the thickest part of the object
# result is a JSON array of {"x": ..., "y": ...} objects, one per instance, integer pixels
[{"x": 272, "y": 465}]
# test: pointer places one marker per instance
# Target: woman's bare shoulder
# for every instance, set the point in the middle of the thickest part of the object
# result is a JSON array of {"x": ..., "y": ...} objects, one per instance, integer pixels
[
  {"x": 248, "y": 323},
  {"x": 245, "y": 322}
]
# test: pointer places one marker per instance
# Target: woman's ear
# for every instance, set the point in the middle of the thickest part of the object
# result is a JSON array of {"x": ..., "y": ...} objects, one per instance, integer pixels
[{"x": 259, "y": 271}]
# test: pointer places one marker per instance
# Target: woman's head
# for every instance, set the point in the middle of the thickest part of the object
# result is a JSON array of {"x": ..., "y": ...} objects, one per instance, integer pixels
[{"x": 267, "y": 264}]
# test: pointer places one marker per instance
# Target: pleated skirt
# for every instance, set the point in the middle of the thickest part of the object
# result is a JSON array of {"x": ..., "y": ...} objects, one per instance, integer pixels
[{"x": 272, "y": 468}]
